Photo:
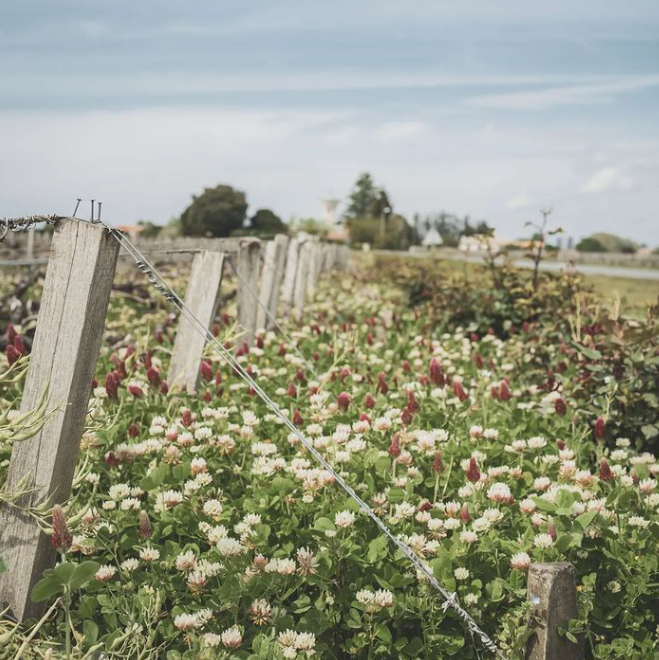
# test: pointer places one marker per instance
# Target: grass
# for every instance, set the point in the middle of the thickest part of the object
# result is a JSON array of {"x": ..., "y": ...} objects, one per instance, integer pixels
[{"x": 633, "y": 294}]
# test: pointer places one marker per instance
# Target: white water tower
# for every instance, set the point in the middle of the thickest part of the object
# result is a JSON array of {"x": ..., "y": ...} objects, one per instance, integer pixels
[{"x": 330, "y": 205}]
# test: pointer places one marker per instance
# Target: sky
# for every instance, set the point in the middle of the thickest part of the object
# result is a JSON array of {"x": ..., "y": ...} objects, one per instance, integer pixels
[{"x": 481, "y": 108}]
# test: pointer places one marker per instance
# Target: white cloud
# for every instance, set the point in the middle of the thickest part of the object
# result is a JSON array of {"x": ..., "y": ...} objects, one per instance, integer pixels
[
  {"x": 567, "y": 95},
  {"x": 606, "y": 180}
]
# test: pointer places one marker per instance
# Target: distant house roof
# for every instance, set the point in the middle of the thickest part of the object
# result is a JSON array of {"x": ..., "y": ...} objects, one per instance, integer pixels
[
  {"x": 130, "y": 229},
  {"x": 338, "y": 234},
  {"x": 432, "y": 238}
]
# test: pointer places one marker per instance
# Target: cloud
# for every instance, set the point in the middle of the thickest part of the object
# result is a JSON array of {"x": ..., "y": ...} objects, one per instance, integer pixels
[
  {"x": 568, "y": 95},
  {"x": 606, "y": 180},
  {"x": 522, "y": 201},
  {"x": 399, "y": 130}
]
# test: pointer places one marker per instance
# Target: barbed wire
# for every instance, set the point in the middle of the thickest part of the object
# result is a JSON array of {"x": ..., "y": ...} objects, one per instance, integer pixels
[
  {"x": 450, "y": 598},
  {"x": 25, "y": 223},
  {"x": 160, "y": 284}
]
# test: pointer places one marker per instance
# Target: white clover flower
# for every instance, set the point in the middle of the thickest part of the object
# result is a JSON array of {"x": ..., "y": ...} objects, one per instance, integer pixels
[
  {"x": 129, "y": 565},
  {"x": 232, "y": 638},
  {"x": 119, "y": 491},
  {"x": 211, "y": 640},
  {"x": 638, "y": 521},
  {"x": 229, "y": 547},
  {"x": 543, "y": 541},
  {"x": 365, "y": 597},
  {"x": 384, "y": 598},
  {"x": 344, "y": 519},
  {"x": 149, "y": 554},
  {"x": 468, "y": 536},
  {"x": 105, "y": 573},
  {"x": 167, "y": 500},
  {"x": 461, "y": 573},
  {"x": 520, "y": 561},
  {"x": 186, "y": 561},
  {"x": 212, "y": 508},
  {"x": 186, "y": 621}
]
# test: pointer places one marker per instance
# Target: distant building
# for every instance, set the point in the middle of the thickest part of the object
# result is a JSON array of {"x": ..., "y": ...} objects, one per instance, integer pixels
[
  {"x": 478, "y": 243},
  {"x": 131, "y": 230},
  {"x": 432, "y": 239},
  {"x": 329, "y": 204}
]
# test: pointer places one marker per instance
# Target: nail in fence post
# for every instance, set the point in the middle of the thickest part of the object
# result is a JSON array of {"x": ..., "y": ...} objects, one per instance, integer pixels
[
  {"x": 248, "y": 265},
  {"x": 552, "y": 590},
  {"x": 68, "y": 337},
  {"x": 202, "y": 298},
  {"x": 271, "y": 280}
]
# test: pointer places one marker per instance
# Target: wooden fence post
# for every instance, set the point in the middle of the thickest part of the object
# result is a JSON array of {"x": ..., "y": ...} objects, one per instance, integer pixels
[
  {"x": 271, "y": 280},
  {"x": 301, "y": 279},
  {"x": 68, "y": 337},
  {"x": 313, "y": 267},
  {"x": 202, "y": 298},
  {"x": 248, "y": 265},
  {"x": 552, "y": 590},
  {"x": 288, "y": 287}
]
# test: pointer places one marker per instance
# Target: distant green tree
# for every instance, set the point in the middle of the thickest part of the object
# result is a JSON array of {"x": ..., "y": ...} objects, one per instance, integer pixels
[
  {"x": 267, "y": 223},
  {"x": 590, "y": 244},
  {"x": 149, "y": 229},
  {"x": 367, "y": 200},
  {"x": 613, "y": 243},
  {"x": 216, "y": 212},
  {"x": 311, "y": 226}
]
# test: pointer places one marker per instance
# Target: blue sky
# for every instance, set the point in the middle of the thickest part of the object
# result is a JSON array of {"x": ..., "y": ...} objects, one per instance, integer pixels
[{"x": 492, "y": 109}]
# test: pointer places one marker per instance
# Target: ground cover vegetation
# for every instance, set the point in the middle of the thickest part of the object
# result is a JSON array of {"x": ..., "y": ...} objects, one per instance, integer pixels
[{"x": 487, "y": 422}]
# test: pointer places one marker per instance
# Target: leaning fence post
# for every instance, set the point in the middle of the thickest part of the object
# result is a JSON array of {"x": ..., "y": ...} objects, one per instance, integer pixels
[
  {"x": 271, "y": 279},
  {"x": 74, "y": 304},
  {"x": 552, "y": 591},
  {"x": 288, "y": 287},
  {"x": 301, "y": 279},
  {"x": 247, "y": 272},
  {"x": 202, "y": 298}
]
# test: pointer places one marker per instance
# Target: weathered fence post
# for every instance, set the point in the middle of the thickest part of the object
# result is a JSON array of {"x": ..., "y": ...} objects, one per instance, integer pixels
[
  {"x": 247, "y": 266},
  {"x": 552, "y": 590},
  {"x": 202, "y": 298},
  {"x": 288, "y": 287},
  {"x": 313, "y": 267},
  {"x": 271, "y": 280},
  {"x": 301, "y": 279},
  {"x": 29, "y": 249},
  {"x": 68, "y": 337}
]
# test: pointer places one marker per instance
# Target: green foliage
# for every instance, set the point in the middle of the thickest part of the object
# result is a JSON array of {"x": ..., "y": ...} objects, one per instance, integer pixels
[
  {"x": 266, "y": 224},
  {"x": 603, "y": 242},
  {"x": 367, "y": 200},
  {"x": 590, "y": 244},
  {"x": 216, "y": 212}
]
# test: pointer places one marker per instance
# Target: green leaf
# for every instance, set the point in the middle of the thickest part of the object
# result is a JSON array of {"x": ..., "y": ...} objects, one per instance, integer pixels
[
  {"x": 323, "y": 524},
  {"x": 384, "y": 634},
  {"x": 46, "y": 588},
  {"x": 377, "y": 549},
  {"x": 90, "y": 631},
  {"x": 83, "y": 573},
  {"x": 586, "y": 518}
]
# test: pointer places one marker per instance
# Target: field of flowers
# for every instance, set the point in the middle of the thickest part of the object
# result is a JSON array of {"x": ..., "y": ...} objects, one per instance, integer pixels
[{"x": 488, "y": 431}]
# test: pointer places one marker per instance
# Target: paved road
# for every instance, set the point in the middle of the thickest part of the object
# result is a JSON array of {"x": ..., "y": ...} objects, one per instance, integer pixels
[{"x": 586, "y": 269}]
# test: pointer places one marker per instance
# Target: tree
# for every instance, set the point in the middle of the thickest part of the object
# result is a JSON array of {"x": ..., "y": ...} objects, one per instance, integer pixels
[
  {"x": 149, "y": 229},
  {"x": 267, "y": 223},
  {"x": 216, "y": 212},
  {"x": 590, "y": 244},
  {"x": 367, "y": 200},
  {"x": 613, "y": 243}
]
